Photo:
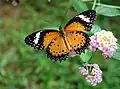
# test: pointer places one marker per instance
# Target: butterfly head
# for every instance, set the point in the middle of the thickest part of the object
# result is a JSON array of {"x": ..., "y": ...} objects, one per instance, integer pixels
[
  {"x": 61, "y": 31},
  {"x": 60, "y": 27}
]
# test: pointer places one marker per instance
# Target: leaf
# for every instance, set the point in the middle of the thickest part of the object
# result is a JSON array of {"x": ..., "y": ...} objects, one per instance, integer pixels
[
  {"x": 107, "y": 11},
  {"x": 85, "y": 57},
  {"x": 116, "y": 55},
  {"x": 95, "y": 29},
  {"x": 79, "y": 5}
]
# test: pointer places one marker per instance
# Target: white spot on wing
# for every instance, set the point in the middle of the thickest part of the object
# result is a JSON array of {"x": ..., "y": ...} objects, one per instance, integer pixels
[
  {"x": 37, "y": 38},
  {"x": 84, "y": 18}
]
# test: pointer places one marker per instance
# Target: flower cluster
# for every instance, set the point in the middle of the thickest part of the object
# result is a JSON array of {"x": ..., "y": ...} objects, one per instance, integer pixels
[
  {"x": 104, "y": 41},
  {"x": 92, "y": 73}
]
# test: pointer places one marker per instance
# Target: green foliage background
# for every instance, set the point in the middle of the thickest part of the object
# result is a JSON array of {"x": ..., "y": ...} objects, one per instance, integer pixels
[{"x": 22, "y": 67}]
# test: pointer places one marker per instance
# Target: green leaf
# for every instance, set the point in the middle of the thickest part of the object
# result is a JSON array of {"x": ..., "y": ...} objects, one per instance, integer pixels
[
  {"x": 107, "y": 11},
  {"x": 116, "y": 55},
  {"x": 79, "y": 5},
  {"x": 85, "y": 57},
  {"x": 95, "y": 29}
]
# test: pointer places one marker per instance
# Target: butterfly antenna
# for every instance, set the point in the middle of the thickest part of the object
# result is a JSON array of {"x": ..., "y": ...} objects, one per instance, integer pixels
[
  {"x": 50, "y": 22},
  {"x": 63, "y": 18}
]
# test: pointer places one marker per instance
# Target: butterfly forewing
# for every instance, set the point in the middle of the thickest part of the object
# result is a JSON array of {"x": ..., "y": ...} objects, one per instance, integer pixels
[
  {"x": 81, "y": 22},
  {"x": 41, "y": 39}
]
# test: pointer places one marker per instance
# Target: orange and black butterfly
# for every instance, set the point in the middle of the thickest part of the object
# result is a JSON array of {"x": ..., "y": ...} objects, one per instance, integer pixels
[{"x": 60, "y": 43}]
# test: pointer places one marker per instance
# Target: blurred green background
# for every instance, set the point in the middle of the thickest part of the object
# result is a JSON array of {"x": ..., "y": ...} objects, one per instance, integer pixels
[{"x": 22, "y": 67}]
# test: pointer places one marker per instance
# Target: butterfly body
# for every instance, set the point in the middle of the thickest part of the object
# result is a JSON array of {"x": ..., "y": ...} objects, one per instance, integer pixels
[{"x": 59, "y": 44}]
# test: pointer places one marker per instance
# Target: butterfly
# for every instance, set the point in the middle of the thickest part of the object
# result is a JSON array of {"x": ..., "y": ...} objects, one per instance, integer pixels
[{"x": 60, "y": 43}]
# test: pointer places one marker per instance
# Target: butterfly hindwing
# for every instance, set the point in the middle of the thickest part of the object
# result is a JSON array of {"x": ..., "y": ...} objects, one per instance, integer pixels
[
  {"x": 57, "y": 49},
  {"x": 81, "y": 22},
  {"x": 41, "y": 39},
  {"x": 78, "y": 40}
]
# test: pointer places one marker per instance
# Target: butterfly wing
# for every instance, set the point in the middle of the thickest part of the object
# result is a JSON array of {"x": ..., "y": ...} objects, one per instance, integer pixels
[
  {"x": 78, "y": 40},
  {"x": 41, "y": 39},
  {"x": 81, "y": 22},
  {"x": 58, "y": 49},
  {"x": 76, "y": 30}
]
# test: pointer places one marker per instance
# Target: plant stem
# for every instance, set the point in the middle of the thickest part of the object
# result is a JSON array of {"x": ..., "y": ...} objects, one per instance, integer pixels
[
  {"x": 110, "y": 6},
  {"x": 95, "y": 1},
  {"x": 100, "y": 4}
]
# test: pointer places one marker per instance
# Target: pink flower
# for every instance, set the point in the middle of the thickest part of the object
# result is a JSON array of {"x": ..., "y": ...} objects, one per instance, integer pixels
[
  {"x": 83, "y": 70},
  {"x": 92, "y": 73},
  {"x": 104, "y": 41}
]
